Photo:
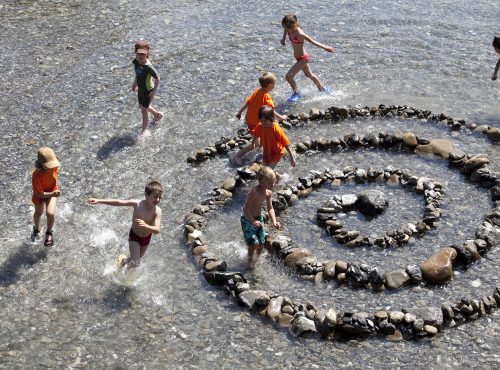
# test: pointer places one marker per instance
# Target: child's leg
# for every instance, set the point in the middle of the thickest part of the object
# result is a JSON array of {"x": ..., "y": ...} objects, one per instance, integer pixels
[
  {"x": 157, "y": 115},
  {"x": 37, "y": 215},
  {"x": 242, "y": 152},
  {"x": 143, "y": 249},
  {"x": 251, "y": 251},
  {"x": 298, "y": 66},
  {"x": 135, "y": 254},
  {"x": 51, "y": 213},
  {"x": 145, "y": 118},
  {"x": 307, "y": 71}
]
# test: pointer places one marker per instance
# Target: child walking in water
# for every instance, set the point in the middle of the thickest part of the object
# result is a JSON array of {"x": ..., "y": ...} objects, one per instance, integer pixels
[
  {"x": 496, "y": 46},
  {"x": 146, "y": 81},
  {"x": 260, "y": 96},
  {"x": 45, "y": 192},
  {"x": 271, "y": 137},
  {"x": 252, "y": 222},
  {"x": 293, "y": 29},
  {"x": 145, "y": 220}
]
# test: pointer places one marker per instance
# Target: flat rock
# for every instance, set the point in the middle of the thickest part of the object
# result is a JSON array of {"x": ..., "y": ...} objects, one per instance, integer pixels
[
  {"x": 396, "y": 279},
  {"x": 440, "y": 147},
  {"x": 292, "y": 259}
]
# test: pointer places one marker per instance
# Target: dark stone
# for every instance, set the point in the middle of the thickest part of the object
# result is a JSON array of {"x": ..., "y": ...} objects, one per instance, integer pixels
[
  {"x": 415, "y": 273},
  {"x": 217, "y": 277},
  {"x": 372, "y": 202},
  {"x": 431, "y": 315}
]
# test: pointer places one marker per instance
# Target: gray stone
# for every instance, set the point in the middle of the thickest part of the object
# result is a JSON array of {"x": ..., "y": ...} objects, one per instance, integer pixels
[
  {"x": 229, "y": 184},
  {"x": 415, "y": 273},
  {"x": 349, "y": 200},
  {"x": 431, "y": 315},
  {"x": 254, "y": 298},
  {"x": 274, "y": 307},
  {"x": 396, "y": 279},
  {"x": 301, "y": 325},
  {"x": 372, "y": 202}
]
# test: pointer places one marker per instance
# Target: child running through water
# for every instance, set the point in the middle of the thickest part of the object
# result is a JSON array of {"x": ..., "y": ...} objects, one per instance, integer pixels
[
  {"x": 45, "y": 192},
  {"x": 146, "y": 81},
  {"x": 145, "y": 220},
  {"x": 293, "y": 29},
  {"x": 260, "y": 96},
  {"x": 252, "y": 221},
  {"x": 271, "y": 137},
  {"x": 496, "y": 46}
]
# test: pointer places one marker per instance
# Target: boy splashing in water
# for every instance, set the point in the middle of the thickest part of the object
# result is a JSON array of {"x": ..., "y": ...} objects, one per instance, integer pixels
[
  {"x": 252, "y": 222},
  {"x": 145, "y": 220}
]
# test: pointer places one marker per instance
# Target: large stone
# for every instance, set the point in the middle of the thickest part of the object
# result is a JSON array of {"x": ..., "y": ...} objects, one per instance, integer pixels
[
  {"x": 254, "y": 298},
  {"x": 292, "y": 259},
  {"x": 349, "y": 200},
  {"x": 372, "y": 202},
  {"x": 396, "y": 279},
  {"x": 430, "y": 315},
  {"x": 301, "y": 325},
  {"x": 440, "y": 147},
  {"x": 439, "y": 267},
  {"x": 329, "y": 270},
  {"x": 493, "y": 133},
  {"x": 229, "y": 184},
  {"x": 285, "y": 319}
]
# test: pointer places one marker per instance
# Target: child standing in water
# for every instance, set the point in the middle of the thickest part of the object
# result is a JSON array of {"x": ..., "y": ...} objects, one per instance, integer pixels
[
  {"x": 145, "y": 220},
  {"x": 252, "y": 222},
  {"x": 271, "y": 137},
  {"x": 45, "y": 192},
  {"x": 496, "y": 46},
  {"x": 146, "y": 82},
  {"x": 293, "y": 29},
  {"x": 260, "y": 97}
]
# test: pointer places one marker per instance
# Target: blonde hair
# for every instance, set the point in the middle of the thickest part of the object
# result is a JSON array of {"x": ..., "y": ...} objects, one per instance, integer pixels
[
  {"x": 265, "y": 172},
  {"x": 266, "y": 79},
  {"x": 154, "y": 187}
]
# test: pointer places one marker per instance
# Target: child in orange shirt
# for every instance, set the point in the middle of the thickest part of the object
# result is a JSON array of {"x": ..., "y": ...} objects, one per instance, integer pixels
[
  {"x": 261, "y": 96},
  {"x": 45, "y": 192},
  {"x": 293, "y": 29},
  {"x": 271, "y": 137}
]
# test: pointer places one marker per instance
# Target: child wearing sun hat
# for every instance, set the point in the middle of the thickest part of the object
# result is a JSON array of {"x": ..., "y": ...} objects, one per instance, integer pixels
[{"x": 45, "y": 192}]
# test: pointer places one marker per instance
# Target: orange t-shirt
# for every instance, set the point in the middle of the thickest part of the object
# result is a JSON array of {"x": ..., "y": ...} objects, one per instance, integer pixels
[
  {"x": 258, "y": 98},
  {"x": 43, "y": 181},
  {"x": 273, "y": 141}
]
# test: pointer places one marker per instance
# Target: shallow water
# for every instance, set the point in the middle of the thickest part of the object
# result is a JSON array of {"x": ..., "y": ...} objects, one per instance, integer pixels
[{"x": 68, "y": 76}]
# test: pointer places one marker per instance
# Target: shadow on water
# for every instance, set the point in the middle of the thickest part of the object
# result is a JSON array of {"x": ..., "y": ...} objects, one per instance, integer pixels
[
  {"x": 27, "y": 255},
  {"x": 115, "y": 144}
]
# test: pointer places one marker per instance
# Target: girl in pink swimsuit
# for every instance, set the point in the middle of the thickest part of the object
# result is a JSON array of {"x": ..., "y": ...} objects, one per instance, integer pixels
[{"x": 292, "y": 28}]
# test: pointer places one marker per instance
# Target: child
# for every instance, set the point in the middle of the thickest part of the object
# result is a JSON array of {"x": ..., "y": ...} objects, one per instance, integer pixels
[
  {"x": 252, "y": 222},
  {"x": 271, "y": 137},
  {"x": 496, "y": 46},
  {"x": 297, "y": 36},
  {"x": 261, "y": 96},
  {"x": 145, "y": 220},
  {"x": 145, "y": 74},
  {"x": 45, "y": 192}
]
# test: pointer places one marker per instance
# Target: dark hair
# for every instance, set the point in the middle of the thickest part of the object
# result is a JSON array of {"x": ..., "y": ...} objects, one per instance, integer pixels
[
  {"x": 154, "y": 187},
  {"x": 290, "y": 21},
  {"x": 496, "y": 42},
  {"x": 266, "y": 112},
  {"x": 142, "y": 44}
]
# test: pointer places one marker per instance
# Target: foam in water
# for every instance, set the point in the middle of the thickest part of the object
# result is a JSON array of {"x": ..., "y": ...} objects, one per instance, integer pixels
[{"x": 103, "y": 237}]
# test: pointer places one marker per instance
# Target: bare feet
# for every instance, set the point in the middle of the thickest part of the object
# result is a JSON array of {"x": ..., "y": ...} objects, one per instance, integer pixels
[{"x": 157, "y": 117}]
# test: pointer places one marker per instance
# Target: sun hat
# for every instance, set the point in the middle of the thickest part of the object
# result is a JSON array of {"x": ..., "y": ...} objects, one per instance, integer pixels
[{"x": 47, "y": 158}]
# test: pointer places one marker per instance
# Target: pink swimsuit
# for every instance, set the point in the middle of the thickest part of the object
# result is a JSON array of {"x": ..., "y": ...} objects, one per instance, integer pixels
[{"x": 295, "y": 40}]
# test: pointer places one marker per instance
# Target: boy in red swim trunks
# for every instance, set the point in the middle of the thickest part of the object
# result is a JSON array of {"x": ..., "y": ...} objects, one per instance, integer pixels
[
  {"x": 145, "y": 220},
  {"x": 260, "y": 97},
  {"x": 273, "y": 140}
]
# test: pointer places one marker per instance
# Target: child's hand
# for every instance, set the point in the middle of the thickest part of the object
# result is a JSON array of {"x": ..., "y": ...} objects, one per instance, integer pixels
[
  {"x": 134, "y": 86},
  {"x": 293, "y": 162},
  {"x": 257, "y": 224},
  {"x": 92, "y": 201},
  {"x": 277, "y": 225},
  {"x": 493, "y": 77},
  {"x": 330, "y": 49},
  {"x": 238, "y": 115},
  {"x": 282, "y": 41},
  {"x": 56, "y": 193},
  {"x": 141, "y": 223}
]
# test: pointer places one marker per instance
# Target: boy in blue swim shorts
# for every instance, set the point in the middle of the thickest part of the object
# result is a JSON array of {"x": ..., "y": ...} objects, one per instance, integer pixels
[{"x": 252, "y": 222}]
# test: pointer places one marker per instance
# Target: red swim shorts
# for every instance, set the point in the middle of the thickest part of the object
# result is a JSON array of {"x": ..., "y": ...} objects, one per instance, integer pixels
[{"x": 133, "y": 237}]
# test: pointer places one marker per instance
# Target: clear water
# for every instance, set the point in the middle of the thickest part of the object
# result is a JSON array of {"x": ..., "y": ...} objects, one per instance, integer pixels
[{"x": 67, "y": 72}]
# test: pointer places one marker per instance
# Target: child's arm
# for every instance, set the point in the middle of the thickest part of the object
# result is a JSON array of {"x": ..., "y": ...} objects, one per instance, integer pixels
[
  {"x": 156, "y": 84},
  {"x": 330, "y": 49},
  {"x": 495, "y": 72},
  {"x": 280, "y": 117},
  {"x": 114, "y": 202},
  {"x": 134, "y": 84},
  {"x": 238, "y": 115},
  {"x": 283, "y": 39},
  {"x": 292, "y": 156},
  {"x": 270, "y": 210},
  {"x": 255, "y": 142},
  {"x": 155, "y": 228}
]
